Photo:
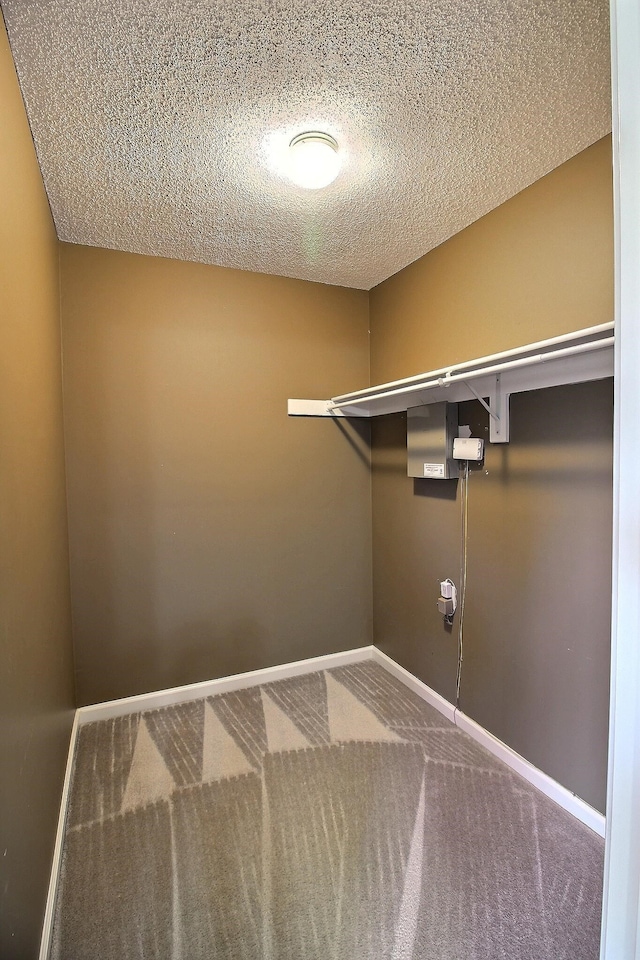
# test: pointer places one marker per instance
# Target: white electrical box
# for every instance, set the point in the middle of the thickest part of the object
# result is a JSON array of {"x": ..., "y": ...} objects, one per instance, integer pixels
[
  {"x": 431, "y": 430},
  {"x": 468, "y": 448}
]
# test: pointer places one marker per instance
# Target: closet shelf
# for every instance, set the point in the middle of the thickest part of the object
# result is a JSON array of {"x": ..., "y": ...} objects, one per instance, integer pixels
[{"x": 570, "y": 358}]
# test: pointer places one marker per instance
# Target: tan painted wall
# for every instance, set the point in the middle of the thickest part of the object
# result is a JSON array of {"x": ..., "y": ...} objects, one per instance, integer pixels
[
  {"x": 539, "y": 265},
  {"x": 36, "y": 676},
  {"x": 209, "y": 533},
  {"x": 537, "y": 619}
]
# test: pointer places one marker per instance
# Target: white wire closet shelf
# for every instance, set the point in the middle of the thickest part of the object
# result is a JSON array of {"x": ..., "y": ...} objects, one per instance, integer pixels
[{"x": 569, "y": 358}]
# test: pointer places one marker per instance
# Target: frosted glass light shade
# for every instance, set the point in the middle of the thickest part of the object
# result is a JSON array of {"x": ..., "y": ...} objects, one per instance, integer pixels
[{"x": 314, "y": 160}]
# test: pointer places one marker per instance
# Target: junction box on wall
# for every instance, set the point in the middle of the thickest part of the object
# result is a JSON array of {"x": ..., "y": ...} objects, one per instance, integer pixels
[
  {"x": 468, "y": 448},
  {"x": 431, "y": 430}
]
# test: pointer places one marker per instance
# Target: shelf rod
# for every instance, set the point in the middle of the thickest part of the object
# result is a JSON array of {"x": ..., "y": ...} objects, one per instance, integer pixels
[
  {"x": 469, "y": 364},
  {"x": 442, "y": 381}
]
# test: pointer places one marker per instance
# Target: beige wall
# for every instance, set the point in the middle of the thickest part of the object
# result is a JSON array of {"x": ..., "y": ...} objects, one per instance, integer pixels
[
  {"x": 36, "y": 678},
  {"x": 209, "y": 533},
  {"x": 539, "y": 265},
  {"x": 536, "y": 633}
]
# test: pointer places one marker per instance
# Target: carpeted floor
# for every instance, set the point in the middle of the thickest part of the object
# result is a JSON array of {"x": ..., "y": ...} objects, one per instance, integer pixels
[{"x": 333, "y": 816}]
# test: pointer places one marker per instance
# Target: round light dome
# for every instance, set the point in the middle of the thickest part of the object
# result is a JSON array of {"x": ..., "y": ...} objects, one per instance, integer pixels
[{"x": 314, "y": 160}]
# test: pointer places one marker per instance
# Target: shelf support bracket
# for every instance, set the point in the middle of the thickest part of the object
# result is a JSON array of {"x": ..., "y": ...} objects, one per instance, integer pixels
[
  {"x": 497, "y": 408},
  {"x": 482, "y": 401}
]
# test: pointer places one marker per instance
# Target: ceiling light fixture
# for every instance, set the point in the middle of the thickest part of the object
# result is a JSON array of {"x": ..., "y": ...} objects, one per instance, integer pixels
[{"x": 314, "y": 160}]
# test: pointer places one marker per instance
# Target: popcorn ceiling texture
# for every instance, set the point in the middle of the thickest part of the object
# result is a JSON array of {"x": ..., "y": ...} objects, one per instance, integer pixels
[{"x": 157, "y": 121}]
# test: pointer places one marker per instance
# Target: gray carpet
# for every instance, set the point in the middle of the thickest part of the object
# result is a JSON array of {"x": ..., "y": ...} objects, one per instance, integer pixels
[{"x": 333, "y": 816}]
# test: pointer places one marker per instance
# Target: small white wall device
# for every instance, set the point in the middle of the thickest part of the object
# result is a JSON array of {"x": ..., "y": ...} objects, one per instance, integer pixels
[
  {"x": 468, "y": 448},
  {"x": 448, "y": 599}
]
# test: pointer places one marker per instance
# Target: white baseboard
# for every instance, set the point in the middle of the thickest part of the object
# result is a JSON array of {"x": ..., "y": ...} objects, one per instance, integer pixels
[
  {"x": 163, "y": 698},
  {"x": 47, "y": 926},
  {"x": 551, "y": 788},
  {"x": 416, "y": 685},
  {"x": 195, "y": 691},
  {"x": 569, "y": 801},
  {"x": 209, "y": 688}
]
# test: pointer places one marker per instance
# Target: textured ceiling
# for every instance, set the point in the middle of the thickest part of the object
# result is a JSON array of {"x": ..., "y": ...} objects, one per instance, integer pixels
[{"x": 157, "y": 121}]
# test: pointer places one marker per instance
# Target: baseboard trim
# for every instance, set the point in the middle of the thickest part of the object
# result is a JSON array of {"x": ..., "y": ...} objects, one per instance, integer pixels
[
  {"x": 47, "y": 926},
  {"x": 569, "y": 801},
  {"x": 195, "y": 691},
  {"x": 150, "y": 701},
  {"x": 416, "y": 685},
  {"x": 551, "y": 788},
  {"x": 209, "y": 688}
]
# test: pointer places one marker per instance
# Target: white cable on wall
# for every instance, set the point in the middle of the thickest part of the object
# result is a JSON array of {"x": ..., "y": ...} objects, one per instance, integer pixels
[{"x": 464, "y": 515}]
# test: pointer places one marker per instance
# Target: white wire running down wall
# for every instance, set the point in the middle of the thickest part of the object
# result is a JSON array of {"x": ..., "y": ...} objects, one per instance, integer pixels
[{"x": 464, "y": 515}]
